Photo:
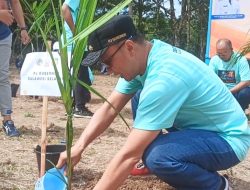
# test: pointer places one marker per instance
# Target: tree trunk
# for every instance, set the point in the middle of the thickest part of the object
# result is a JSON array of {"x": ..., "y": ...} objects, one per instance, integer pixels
[{"x": 188, "y": 23}]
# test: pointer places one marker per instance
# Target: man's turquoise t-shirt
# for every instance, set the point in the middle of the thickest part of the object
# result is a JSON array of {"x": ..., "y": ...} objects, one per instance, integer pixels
[
  {"x": 178, "y": 88},
  {"x": 231, "y": 72},
  {"x": 74, "y": 8}
]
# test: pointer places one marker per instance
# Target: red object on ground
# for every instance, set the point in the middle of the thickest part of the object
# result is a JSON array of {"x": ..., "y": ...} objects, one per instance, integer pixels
[{"x": 140, "y": 169}]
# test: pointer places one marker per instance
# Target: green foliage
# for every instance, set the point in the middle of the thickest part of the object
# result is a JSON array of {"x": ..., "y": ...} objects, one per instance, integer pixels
[
  {"x": 152, "y": 17},
  {"x": 33, "y": 10},
  {"x": 245, "y": 49}
]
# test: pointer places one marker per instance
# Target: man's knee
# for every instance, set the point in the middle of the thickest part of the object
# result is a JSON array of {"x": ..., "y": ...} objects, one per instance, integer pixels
[
  {"x": 244, "y": 97},
  {"x": 244, "y": 93},
  {"x": 159, "y": 162}
]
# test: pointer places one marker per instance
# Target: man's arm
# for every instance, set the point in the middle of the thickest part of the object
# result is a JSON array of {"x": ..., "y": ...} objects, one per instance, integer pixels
[
  {"x": 244, "y": 73},
  {"x": 240, "y": 86},
  {"x": 18, "y": 14},
  {"x": 121, "y": 165},
  {"x": 6, "y": 17},
  {"x": 97, "y": 125},
  {"x": 68, "y": 17}
]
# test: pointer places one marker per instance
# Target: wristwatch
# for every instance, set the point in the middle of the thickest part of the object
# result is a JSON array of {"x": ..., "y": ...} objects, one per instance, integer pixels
[{"x": 23, "y": 28}]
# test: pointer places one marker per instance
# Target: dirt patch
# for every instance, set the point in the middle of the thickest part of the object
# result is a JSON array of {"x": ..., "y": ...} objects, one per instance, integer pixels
[{"x": 18, "y": 166}]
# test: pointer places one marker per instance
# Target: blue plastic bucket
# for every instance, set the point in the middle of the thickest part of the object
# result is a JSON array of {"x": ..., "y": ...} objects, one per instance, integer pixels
[{"x": 53, "y": 179}]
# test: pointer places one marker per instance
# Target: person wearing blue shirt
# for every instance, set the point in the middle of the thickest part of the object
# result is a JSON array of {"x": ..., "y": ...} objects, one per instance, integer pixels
[
  {"x": 233, "y": 70},
  {"x": 9, "y": 10},
  {"x": 177, "y": 89},
  {"x": 81, "y": 94}
]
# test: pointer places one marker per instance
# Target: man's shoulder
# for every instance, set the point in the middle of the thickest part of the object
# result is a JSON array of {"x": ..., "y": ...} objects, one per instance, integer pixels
[
  {"x": 215, "y": 57},
  {"x": 215, "y": 60}
]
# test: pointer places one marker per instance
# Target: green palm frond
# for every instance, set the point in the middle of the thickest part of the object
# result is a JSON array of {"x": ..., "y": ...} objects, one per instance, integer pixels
[
  {"x": 100, "y": 21},
  {"x": 245, "y": 49},
  {"x": 84, "y": 27},
  {"x": 103, "y": 98},
  {"x": 85, "y": 18}
]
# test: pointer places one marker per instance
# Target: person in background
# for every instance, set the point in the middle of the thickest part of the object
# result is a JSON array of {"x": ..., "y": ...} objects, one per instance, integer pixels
[
  {"x": 177, "y": 89},
  {"x": 104, "y": 69},
  {"x": 233, "y": 70},
  {"x": 81, "y": 94},
  {"x": 8, "y": 14}
]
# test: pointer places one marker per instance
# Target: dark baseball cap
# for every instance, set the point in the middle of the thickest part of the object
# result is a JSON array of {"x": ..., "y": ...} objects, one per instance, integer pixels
[{"x": 119, "y": 28}]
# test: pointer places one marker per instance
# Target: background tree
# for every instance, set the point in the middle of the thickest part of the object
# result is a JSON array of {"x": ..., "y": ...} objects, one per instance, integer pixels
[
  {"x": 154, "y": 18},
  {"x": 159, "y": 19}
]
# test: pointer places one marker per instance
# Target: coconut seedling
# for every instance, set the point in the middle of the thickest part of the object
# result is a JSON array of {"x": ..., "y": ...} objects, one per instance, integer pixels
[{"x": 67, "y": 82}]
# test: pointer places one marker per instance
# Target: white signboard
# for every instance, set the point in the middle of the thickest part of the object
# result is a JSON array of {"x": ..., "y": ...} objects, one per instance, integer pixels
[
  {"x": 228, "y": 19},
  {"x": 38, "y": 76}
]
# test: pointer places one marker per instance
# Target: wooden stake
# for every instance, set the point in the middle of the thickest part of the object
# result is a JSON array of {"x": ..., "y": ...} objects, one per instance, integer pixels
[
  {"x": 43, "y": 137},
  {"x": 44, "y": 130}
]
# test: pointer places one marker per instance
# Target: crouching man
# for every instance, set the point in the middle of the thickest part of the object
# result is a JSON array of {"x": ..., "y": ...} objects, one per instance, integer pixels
[{"x": 211, "y": 131}]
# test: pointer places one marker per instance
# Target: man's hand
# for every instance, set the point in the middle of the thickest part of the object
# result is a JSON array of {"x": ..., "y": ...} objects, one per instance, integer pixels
[
  {"x": 75, "y": 156},
  {"x": 6, "y": 17},
  {"x": 240, "y": 86},
  {"x": 25, "y": 37}
]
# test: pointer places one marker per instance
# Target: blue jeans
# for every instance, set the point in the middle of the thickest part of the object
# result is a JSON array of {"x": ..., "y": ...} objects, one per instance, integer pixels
[
  {"x": 188, "y": 159},
  {"x": 243, "y": 97}
]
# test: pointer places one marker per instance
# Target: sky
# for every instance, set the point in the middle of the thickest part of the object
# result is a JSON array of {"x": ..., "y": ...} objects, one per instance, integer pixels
[{"x": 176, "y": 5}]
